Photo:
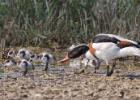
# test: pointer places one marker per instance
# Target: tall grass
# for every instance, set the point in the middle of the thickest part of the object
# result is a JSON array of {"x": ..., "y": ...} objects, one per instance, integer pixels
[{"x": 62, "y": 22}]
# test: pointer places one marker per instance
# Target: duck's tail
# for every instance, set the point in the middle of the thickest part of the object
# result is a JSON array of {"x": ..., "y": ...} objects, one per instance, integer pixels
[{"x": 129, "y": 51}]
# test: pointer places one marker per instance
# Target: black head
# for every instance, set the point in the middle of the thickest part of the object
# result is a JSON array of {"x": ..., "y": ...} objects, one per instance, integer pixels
[
  {"x": 47, "y": 56},
  {"x": 25, "y": 62},
  {"x": 75, "y": 52},
  {"x": 23, "y": 53},
  {"x": 78, "y": 51}
]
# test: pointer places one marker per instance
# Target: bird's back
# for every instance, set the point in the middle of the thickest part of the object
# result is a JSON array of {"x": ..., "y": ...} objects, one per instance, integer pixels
[{"x": 106, "y": 51}]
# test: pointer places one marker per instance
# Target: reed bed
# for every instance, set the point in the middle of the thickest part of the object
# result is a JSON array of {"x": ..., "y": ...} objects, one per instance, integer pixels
[{"x": 62, "y": 22}]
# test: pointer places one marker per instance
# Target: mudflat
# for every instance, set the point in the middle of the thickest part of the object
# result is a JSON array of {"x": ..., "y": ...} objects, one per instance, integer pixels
[{"x": 62, "y": 82}]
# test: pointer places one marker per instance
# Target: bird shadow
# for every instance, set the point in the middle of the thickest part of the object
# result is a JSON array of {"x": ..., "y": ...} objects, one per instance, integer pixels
[{"x": 131, "y": 75}]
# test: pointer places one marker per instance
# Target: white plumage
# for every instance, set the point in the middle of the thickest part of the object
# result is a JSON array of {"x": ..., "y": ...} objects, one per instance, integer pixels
[
  {"x": 11, "y": 53},
  {"x": 9, "y": 63},
  {"x": 25, "y": 66},
  {"x": 24, "y": 54},
  {"x": 46, "y": 58},
  {"x": 108, "y": 51},
  {"x": 24, "y": 63}
]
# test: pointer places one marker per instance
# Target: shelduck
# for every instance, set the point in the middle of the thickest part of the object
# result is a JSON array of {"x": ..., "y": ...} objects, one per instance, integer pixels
[
  {"x": 47, "y": 58},
  {"x": 23, "y": 54},
  {"x": 9, "y": 63},
  {"x": 120, "y": 41},
  {"x": 26, "y": 66},
  {"x": 11, "y": 53},
  {"x": 23, "y": 64},
  {"x": 79, "y": 51},
  {"x": 105, "y": 51},
  {"x": 108, "y": 51}
]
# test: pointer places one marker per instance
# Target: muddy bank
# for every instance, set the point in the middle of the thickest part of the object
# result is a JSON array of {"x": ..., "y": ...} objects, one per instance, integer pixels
[
  {"x": 62, "y": 82},
  {"x": 67, "y": 85}
]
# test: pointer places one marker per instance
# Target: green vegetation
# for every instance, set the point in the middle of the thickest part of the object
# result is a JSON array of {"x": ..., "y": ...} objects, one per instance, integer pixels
[{"x": 33, "y": 22}]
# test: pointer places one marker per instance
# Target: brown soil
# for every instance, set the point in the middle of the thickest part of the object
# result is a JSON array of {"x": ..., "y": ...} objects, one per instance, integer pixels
[{"x": 124, "y": 84}]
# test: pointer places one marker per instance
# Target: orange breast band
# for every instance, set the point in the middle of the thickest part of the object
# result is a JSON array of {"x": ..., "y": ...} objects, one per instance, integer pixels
[{"x": 91, "y": 49}]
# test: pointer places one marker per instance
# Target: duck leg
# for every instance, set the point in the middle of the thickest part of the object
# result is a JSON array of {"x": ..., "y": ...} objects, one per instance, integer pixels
[
  {"x": 25, "y": 71},
  {"x": 109, "y": 73},
  {"x": 97, "y": 65},
  {"x": 96, "y": 68},
  {"x": 113, "y": 67},
  {"x": 33, "y": 67},
  {"x": 46, "y": 66}
]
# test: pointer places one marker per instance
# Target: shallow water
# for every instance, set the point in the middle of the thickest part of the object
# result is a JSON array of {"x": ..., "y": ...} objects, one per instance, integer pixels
[
  {"x": 2, "y": 75},
  {"x": 74, "y": 65}
]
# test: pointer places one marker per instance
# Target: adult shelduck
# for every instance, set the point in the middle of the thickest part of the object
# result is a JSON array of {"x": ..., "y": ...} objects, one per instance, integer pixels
[
  {"x": 102, "y": 38},
  {"x": 120, "y": 41},
  {"x": 105, "y": 51}
]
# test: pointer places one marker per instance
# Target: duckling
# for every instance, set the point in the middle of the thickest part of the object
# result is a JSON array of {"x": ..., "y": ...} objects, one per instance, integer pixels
[
  {"x": 26, "y": 66},
  {"x": 11, "y": 54},
  {"x": 47, "y": 58},
  {"x": 23, "y": 54},
  {"x": 9, "y": 62}
]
